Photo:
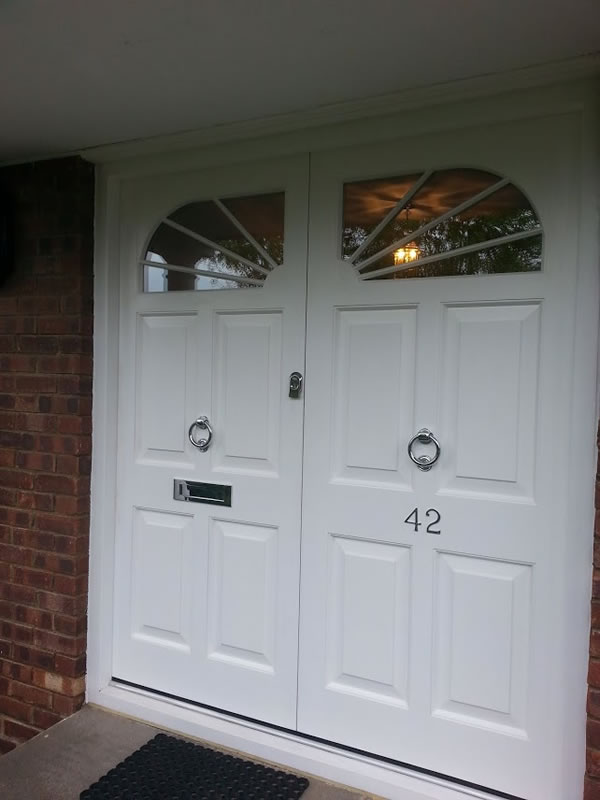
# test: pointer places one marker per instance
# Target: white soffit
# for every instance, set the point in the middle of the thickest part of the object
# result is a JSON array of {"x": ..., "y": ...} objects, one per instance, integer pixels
[{"x": 75, "y": 75}]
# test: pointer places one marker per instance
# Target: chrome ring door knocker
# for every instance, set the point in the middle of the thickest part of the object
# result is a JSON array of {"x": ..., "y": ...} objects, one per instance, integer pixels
[
  {"x": 204, "y": 424},
  {"x": 424, "y": 462}
]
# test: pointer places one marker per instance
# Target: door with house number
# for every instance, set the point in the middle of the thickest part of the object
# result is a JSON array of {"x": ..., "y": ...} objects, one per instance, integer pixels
[
  {"x": 212, "y": 324},
  {"x": 440, "y": 313}
]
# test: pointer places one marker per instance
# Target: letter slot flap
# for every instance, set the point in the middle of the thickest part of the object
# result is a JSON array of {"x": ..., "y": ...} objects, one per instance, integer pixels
[{"x": 215, "y": 494}]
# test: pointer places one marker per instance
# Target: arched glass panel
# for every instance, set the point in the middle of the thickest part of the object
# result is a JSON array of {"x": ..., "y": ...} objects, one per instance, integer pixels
[
  {"x": 230, "y": 243},
  {"x": 439, "y": 223}
]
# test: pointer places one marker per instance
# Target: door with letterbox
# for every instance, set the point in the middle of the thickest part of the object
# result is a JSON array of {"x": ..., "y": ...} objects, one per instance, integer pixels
[{"x": 210, "y": 445}]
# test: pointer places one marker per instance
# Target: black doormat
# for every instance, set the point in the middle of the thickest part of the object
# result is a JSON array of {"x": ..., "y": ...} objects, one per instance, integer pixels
[{"x": 166, "y": 768}]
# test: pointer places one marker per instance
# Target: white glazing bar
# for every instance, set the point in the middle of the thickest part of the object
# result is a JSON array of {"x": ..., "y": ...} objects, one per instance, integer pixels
[
  {"x": 214, "y": 245},
  {"x": 260, "y": 249},
  {"x": 226, "y": 276},
  {"x": 420, "y": 231},
  {"x": 469, "y": 248},
  {"x": 406, "y": 198}
]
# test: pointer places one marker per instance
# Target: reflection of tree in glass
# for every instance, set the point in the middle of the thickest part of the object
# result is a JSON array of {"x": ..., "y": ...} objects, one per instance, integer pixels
[
  {"x": 456, "y": 232},
  {"x": 220, "y": 262}
]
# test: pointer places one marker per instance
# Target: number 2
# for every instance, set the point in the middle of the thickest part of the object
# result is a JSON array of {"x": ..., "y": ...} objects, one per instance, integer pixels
[{"x": 430, "y": 528}]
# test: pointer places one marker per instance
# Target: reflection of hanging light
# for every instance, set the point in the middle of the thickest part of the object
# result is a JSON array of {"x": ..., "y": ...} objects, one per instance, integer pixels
[
  {"x": 405, "y": 254},
  {"x": 410, "y": 252}
]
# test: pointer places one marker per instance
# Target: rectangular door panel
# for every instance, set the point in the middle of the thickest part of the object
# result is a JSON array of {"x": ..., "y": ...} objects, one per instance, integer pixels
[
  {"x": 373, "y": 394},
  {"x": 164, "y": 347},
  {"x": 242, "y": 594},
  {"x": 368, "y": 619},
  {"x": 482, "y": 642},
  {"x": 161, "y": 579},
  {"x": 491, "y": 364},
  {"x": 247, "y": 391}
]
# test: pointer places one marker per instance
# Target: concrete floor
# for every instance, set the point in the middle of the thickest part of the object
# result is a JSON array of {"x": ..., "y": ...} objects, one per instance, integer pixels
[{"x": 64, "y": 760}]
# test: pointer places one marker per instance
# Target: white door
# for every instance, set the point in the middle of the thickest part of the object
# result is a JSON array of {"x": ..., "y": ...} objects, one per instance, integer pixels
[
  {"x": 429, "y": 597},
  {"x": 206, "y": 596}
]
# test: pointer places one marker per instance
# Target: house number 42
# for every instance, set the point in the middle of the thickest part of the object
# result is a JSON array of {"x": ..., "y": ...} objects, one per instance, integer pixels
[{"x": 431, "y": 514}]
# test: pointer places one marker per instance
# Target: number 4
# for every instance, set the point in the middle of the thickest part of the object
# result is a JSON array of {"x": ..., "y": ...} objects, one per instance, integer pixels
[{"x": 413, "y": 519}]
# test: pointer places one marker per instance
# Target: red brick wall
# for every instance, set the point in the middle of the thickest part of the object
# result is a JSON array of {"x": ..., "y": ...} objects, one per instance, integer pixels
[
  {"x": 45, "y": 443},
  {"x": 592, "y": 780}
]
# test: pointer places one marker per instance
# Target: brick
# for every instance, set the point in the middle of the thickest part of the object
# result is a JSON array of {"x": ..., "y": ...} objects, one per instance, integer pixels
[
  {"x": 37, "y": 658},
  {"x": 20, "y": 733},
  {"x": 6, "y": 746},
  {"x": 66, "y": 706},
  {"x": 70, "y": 626},
  {"x": 31, "y": 577},
  {"x": 14, "y": 708},
  {"x": 71, "y": 667},
  {"x": 60, "y": 484},
  {"x": 34, "y": 616},
  {"x": 56, "y": 602},
  {"x": 15, "y": 479},
  {"x": 44, "y": 719},
  {"x": 18, "y": 594},
  {"x": 18, "y": 672},
  {"x": 39, "y": 540},
  {"x": 31, "y": 694},
  {"x": 56, "y": 643},
  {"x": 59, "y": 684}
]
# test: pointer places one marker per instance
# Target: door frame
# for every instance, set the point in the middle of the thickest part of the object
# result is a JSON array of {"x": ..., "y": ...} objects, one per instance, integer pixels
[{"x": 574, "y": 98}]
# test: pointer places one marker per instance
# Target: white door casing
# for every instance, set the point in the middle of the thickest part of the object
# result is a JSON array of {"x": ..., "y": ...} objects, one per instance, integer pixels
[
  {"x": 206, "y": 598},
  {"x": 439, "y": 650}
]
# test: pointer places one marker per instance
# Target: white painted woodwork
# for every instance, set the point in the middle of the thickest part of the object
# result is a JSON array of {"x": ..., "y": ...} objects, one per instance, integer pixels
[
  {"x": 481, "y": 649},
  {"x": 206, "y": 597},
  {"x": 373, "y": 365},
  {"x": 438, "y": 650},
  {"x": 567, "y": 200},
  {"x": 242, "y": 594},
  {"x": 499, "y": 403},
  {"x": 372, "y": 664},
  {"x": 248, "y": 380},
  {"x": 165, "y": 348}
]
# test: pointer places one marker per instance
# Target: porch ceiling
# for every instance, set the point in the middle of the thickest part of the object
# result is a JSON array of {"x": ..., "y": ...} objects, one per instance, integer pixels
[{"x": 78, "y": 74}]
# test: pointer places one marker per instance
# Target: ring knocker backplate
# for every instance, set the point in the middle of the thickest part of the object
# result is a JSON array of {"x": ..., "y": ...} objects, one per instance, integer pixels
[
  {"x": 204, "y": 424},
  {"x": 424, "y": 462}
]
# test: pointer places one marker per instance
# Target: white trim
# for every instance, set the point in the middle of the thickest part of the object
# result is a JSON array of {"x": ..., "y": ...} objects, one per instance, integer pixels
[
  {"x": 399, "y": 102},
  {"x": 327, "y": 761},
  {"x": 282, "y": 747}
]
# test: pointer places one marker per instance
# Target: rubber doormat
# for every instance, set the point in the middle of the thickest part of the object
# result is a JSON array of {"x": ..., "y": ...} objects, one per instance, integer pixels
[{"x": 166, "y": 768}]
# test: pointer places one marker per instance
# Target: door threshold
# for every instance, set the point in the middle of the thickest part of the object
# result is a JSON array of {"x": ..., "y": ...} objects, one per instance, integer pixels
[{"x": 280, "y": 746}]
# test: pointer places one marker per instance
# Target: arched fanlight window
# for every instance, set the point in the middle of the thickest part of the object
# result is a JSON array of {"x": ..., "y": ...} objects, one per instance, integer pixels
[
  {"x": 439, "y": 223},
  {"x": 228, "y": 243}
]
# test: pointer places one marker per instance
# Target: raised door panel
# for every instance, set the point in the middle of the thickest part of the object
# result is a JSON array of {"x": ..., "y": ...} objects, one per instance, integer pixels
[
  {"x": 161, "y": 579},
  {"x": 242, "y": 601},
  {"x": 482, "y": 644},
  {"x": 164, "y": 371},
  {"x": 247, "y": 392},
  {"x": 490, "y": 399},
  {"x": 368, "y": 619},
  {"x": 373, "y": 395}
]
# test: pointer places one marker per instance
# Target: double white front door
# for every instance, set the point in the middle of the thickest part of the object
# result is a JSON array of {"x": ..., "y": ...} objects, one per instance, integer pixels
[{"x": 347, "y": 593}]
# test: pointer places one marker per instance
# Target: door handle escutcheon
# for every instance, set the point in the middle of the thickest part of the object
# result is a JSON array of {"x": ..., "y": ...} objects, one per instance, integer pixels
[{"x": 295, "y": 385}]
